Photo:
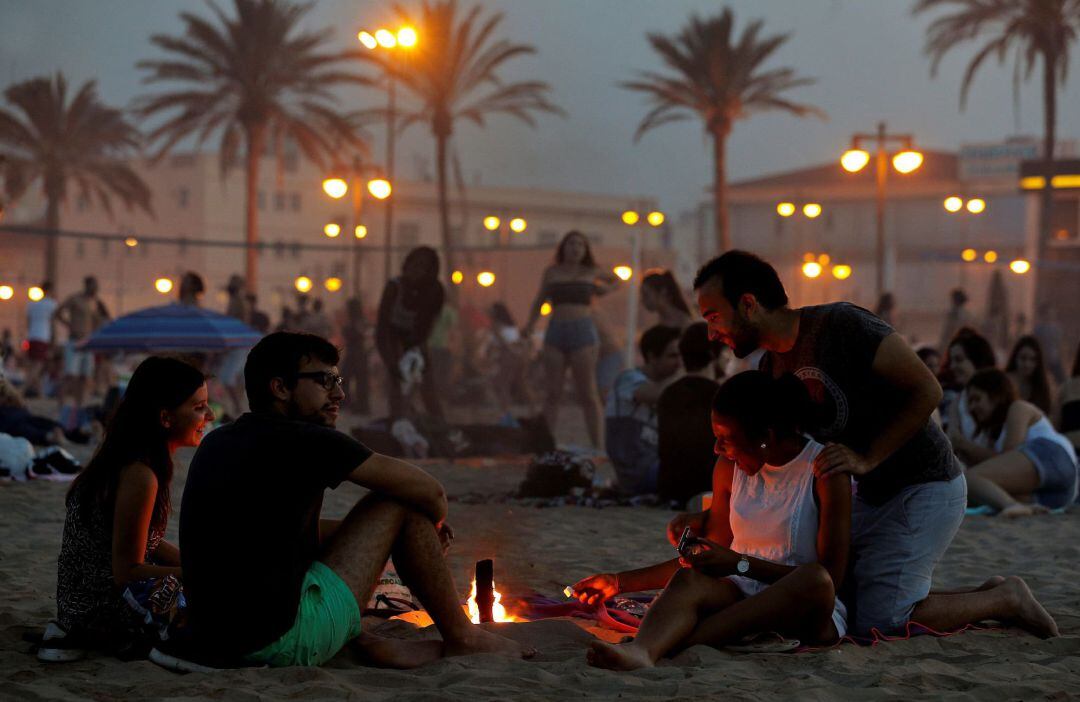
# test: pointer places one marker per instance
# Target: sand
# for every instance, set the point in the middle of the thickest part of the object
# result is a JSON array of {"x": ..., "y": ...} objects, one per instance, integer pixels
[{"x": 544, "y": 549}]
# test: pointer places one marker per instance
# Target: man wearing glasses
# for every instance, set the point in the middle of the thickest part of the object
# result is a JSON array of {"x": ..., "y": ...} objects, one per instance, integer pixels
[{"x": 269, "y": 581}]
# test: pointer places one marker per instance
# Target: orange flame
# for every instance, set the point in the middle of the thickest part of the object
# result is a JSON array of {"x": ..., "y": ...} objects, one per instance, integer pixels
[{"x": 498, "y": 612}]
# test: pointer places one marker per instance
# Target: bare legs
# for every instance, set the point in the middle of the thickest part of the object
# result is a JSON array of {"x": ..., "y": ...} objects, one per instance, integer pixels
[
  {"x": 999, "y": 481},
  {"x": 700, "y": 609},
  {"x": 554, "y": 377},
  {"x": 583, "y": 366},
  {"x": 1007, "y": 600},
  {"x": 377, "y": 528}
]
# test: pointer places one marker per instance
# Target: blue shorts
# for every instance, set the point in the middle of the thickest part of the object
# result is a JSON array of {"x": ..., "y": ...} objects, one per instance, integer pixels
[
  {"x": 894, "y": 549},
  {"x": 570, "y": 335},
  {"x": 1057, "y": 472}
]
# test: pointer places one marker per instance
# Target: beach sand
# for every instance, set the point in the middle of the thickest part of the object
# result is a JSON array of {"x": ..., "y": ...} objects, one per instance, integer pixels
[{"x": 543, "y": 550}]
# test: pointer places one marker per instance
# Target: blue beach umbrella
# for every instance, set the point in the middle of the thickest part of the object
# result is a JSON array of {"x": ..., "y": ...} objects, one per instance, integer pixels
[{"x": 172, "y": 328}]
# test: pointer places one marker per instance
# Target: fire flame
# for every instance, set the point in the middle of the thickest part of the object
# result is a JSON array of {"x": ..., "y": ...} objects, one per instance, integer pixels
[{"x": 498, "y": 612}]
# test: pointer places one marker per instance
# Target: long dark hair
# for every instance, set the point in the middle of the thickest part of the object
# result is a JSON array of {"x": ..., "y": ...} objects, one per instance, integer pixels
[
  {"x": 663, "y": 281},
  {"x": 560, "y": 253},
  {"x": 135, "y": 434},
  {"x": 995, "y": 383},
  {"x": 759, "y": 403},
  {"x": 976, "y": 348},
  {"x": 1040, "y": 383}
]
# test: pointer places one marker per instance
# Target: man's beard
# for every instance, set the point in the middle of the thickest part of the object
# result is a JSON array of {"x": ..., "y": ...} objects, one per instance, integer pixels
[{"x": 293, "y": 411}]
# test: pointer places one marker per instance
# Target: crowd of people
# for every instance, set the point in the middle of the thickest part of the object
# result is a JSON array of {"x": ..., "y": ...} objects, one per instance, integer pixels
[{"x": 836, "y": 464}]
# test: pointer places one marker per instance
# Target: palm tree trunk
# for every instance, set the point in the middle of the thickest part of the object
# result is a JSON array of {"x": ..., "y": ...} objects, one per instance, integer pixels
[
  {"x": 1046, "y": 198},
  {"x": 53, "y": 193},
  {"x": 720, "y": 205},
  {"x": 442, "y": 136},
  {"x": 255, "y": 136}
]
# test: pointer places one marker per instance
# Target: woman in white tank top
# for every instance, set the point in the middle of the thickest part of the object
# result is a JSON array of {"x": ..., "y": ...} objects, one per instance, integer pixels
[
  {"x": 1025, "y": 467},
  {"x": 772, "y": 551}
]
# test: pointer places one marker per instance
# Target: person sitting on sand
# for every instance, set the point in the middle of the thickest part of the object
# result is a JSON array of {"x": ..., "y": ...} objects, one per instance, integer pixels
[
  {"x": 115, "y": 565},
  {"x": 873, "y": 399},
  {"x": 776, "y": 548},
  {"x": 1028, "y": 467},
  {"x": 292, "y": 593}
]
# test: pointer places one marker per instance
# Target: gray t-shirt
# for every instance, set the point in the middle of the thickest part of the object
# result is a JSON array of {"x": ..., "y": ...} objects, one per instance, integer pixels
[{"x": 834, "y": 356}]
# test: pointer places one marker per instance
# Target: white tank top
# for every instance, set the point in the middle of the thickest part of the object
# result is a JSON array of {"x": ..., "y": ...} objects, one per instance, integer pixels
[{"x": 1041, "y": 429}]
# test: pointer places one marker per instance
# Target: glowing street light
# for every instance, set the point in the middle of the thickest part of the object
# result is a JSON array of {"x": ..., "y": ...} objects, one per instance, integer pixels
[
  {"x": 976, "y": 205},
  {"x": 303, "y": 284},
  {"x": 545, "y": 309},
  {"x": 406, "y": 37},
  {"x": 907, "y": 161},
  {"x": 623, "y": 272},
  {"x": 655, "y": 219},
  {"x": 35, "y": 294},
  {"x": 131, "y": 242},
  {"x": 485, "y": 278},
  {"x": 367, "y": 40},
  {"x": 360, "y": 232},
  {"x": 6, "y": 292},
  {"x": 457, "y": 277},
  {"x": 518, "y": 224},
  {"x": 332, "y": 284},
  {"x": 1020, "y": 266},
  {"x": 785, "y": 209},
  {"x": 630, "y": 218},
  {"x": 953, "y": 204},
  {"x": 811, "y": 269},
  {"x": 990, "y": 256},
  {"x": 824, "y": 259},
  {"x": 163, "y": 286},
  {"x": 386, "y": 38},
  {"x": 811, "y": 209},
  {"x": 491, "y": 223},
  {"x": 335, "y": 187},
  {"x": 841, "y": 271},
  {"x": 379, "y": 188},
  {"x": 332, "y": 230},
  {"x": 808, "y": 257},
  {"x": 854, "y": 160},
  {"x": 969, "y": 255}
]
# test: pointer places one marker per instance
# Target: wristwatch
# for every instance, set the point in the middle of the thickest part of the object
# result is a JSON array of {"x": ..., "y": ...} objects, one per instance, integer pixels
[{"x": 743, "y": 566}]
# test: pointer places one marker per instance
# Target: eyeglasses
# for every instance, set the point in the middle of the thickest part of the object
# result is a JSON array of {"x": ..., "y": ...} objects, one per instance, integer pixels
[{"x": 327, "y": 380}]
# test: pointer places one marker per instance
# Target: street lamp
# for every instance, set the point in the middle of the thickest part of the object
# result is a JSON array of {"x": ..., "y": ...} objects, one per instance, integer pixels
[
  {"x": 785, "y": 209},
  {"x": 131, "y": 242},
  {"x": 332, "y": 284},
  {"x": 841, "y": 271},
  {"x": 976, "y": 205},
  {"x": 990, "y": 256},
  {"x": 457, "y": 277},
  {"x": 163, "y": 286},
  {"x": 969, "y": 255},
  {"x": 332, "y": 230},
  {"x": 6, "y": 292},
  {"x": 811, "y": 269},
  {"x": 338, "y": 187},
  {"x": 811, "y": 210},
  {"x": 1020, "y": 266},
  {"x": 303, "y": 284},
  {"x": 632, "y": 218},
  {"x": 35, "y": 294},
  {"x": 953, "y": 204},
  {"x": 379, "y": 188},
  {"x": 485, "y": 278},
  {"x": 405, "y": 38},
  {"x": 907, "y": 160},
  {"x": 491, "y": 223},
  {"x": 518, "y": 225}
]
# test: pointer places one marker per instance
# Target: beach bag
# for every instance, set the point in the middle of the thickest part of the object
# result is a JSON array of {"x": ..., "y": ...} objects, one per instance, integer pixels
[{"x": 556, "y": 473}]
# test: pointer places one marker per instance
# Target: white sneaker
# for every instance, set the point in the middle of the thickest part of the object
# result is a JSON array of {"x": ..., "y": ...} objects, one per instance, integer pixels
[
  {"x": 57, "y": 646},
  {"x": 176, "y": 664}
]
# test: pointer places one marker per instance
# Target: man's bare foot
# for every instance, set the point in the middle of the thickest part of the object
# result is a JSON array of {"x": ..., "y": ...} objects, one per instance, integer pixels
[
  {"x": 1028, "y": 613},
  {"x": 477, "y": 640},
  {"x": 383, "y": 652},
  {"x": 627, "y": 656}
]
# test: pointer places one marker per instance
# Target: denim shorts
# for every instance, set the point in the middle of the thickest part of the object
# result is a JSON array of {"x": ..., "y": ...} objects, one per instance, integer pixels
[
  {"x": 1057, "y": 472},
  {"x": 894, "y": 549},
  {"x": 570, "y": 335}
]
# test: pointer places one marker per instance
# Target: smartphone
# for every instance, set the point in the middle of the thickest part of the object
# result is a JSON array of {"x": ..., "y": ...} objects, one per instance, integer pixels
[{"x": 684, "y": 542}]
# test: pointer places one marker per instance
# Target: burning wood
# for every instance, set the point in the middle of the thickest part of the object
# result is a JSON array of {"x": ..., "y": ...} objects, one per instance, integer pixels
[{"x": 485, "y": 602}]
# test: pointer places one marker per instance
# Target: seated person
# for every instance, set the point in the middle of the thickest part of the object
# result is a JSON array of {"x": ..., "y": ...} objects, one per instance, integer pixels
[
  {"x": 268, "y": 580},
  {"x": 17, "y": 420},
  {"x": 630, "y": 426},
  {"x": 1024, "y": 466},
  {"x": 115, "y": 564},
  {"x": 968, "y": 352},
  {"x": 686, "y": 439},
  {"x": 774, "y": 546}
]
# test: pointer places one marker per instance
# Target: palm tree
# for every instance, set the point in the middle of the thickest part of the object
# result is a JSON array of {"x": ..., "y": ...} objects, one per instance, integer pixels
[
  {"x": 721, "y": 80},
  {"x": 260, "y": 82},
  {"x": 1036, "y": 29},
  {"x": 58, "y": 140},
  {"x": 453, "y": 74}
]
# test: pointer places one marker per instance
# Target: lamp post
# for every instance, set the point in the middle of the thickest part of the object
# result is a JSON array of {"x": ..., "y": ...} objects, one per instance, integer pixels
[
  {"x": 632, "y": 219},
  {"x": 405, "y": 38},
  {"x": 904, "y": 161},
  {"x": 338, "y": 187},
  {"x": 504, "y": 225}
]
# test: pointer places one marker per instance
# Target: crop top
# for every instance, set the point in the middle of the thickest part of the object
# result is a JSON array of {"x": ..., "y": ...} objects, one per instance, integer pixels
[{"x": 570, "y": 292}]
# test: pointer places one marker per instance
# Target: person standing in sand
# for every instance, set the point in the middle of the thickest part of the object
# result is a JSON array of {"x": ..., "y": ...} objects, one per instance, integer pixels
[
  {"x": 81, "y": 313},
  {"x": 873, "y": 399},
  {"x": 292, "y": 593}
]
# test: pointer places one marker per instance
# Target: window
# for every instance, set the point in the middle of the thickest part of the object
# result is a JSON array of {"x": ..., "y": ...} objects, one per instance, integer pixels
[
  {"x": 408, "y": 234},
  {"x": 104, "y": 248},
  {"x": 182, "y": 197},
  {"x": 182, "y": 249},
  {"x": 80, "y": 250},
  {"x": 262, "y": 200},
  {"x": 294, "y": 202},
  {"x": 279, "y": 201},
  {"x": 296, "y": 250},
  {"x": 279, "y": 248}
]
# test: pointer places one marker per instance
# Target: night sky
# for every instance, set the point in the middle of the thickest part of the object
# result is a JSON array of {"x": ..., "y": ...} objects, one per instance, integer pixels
[{"x": 866, "y": 55}]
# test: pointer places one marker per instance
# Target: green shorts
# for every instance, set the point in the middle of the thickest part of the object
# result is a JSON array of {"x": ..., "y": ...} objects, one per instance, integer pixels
[{"x": 327, "y": 619}]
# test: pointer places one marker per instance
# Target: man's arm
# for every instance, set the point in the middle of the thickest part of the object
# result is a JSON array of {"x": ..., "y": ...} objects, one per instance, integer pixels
[
  {"x": 403, "y": 482},
  {"x": 648, "y": 393}
]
